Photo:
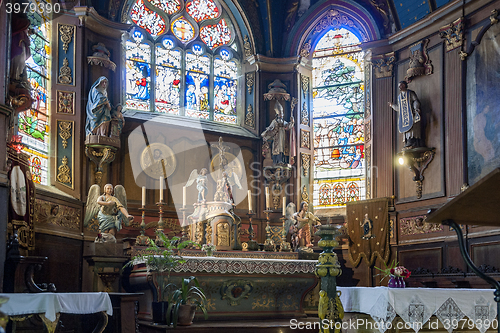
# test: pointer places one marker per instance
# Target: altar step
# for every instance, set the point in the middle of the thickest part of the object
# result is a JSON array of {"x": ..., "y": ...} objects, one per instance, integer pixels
[{"x": 242, "y": 326}]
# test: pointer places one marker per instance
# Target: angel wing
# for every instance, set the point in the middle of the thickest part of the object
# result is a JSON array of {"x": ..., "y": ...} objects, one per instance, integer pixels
[
  {"x": 121, "y": 195},
  {"x": 237, "y": 180},
  {"x": 92, "y": 207},
  {"x": 289, "y": 211},
  {"x": 192, "y": 177}
]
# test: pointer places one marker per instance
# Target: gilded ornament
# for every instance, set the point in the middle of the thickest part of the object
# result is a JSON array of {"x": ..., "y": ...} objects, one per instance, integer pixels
[
  {"x": 65, "y": 102},
  {"x": 304, "y": 115},
  {"x": 453, "y": 34},
  {"x": 223, "y": 234},
  {"x": 66, "y": 32},
  {"x": 383, "y": 64},
  {"x": 235, "y": 291},
  {"x": 250, "y": 81},
  {"x": 493, "y": 17},
  {"x": 306, "y": 49},
  {"x": 305, "y": 139},
  {"x": 158, "y": 160},
  {"x": 306, "y": 163},
  {"x": 65, "y": 132},
  {"x": 64, "y": 172},
  {"x": 328, "y": 243},
  {"x": 305, "y": 84},
  {"x": 304, "y": 195},
  {"x": 65, "y": 76},
  {"x": 250, "y": 116},
  {"x": 247, "y": 47}
]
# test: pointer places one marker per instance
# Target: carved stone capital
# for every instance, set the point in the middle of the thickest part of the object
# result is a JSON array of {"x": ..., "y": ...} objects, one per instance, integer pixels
[{"x": 383, "y": 65}]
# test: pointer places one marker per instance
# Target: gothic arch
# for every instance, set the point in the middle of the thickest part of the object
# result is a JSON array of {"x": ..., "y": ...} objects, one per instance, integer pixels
[{"x": 324, "y": 15}]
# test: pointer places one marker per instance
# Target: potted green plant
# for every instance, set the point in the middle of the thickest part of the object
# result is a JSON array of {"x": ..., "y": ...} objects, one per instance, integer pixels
[
  {"x": 185, "y": 300},
  {"x": 160, "y": 258}
]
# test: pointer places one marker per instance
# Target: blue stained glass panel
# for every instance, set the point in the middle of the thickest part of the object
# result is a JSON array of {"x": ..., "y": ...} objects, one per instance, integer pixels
[
  {"x": 168, "y": 81},
  {"x": 138, "y": 85},
  {"x": 225, "y": 100},
  {"x": 196, "y": 95}
]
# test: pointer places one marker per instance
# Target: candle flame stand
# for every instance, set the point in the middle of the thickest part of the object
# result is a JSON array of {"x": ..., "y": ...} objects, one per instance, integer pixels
[
  {"x": 160, "y": 204},
  {"x": 269, "y": 243},
  {"x": 252, "y": 244},
  {"x": 142, "y": 239}
]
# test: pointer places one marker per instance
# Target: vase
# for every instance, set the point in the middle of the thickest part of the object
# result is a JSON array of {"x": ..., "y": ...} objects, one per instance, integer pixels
[
  {"x": 393, "y": 282},
  {"x": 402, "y": 283},
  {"x": 210, "y": 253},
  {"x": 186, "y": 314}
]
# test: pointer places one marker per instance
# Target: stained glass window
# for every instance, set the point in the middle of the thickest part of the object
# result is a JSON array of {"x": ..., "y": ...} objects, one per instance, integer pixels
[
  {"x": 338, "y": 112},
  {"x": 138, "y": 79},
  {"x": 202, "y": 10},
  {"x": 34, "y": 123},
  {"x": 176, "y": 66},
  {"x": 225, "y": 84},
  {"x": 168, "y": 77}
]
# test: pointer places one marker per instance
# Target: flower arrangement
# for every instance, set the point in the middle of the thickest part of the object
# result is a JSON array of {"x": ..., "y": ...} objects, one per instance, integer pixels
[
  {"x": 394, "y": 270},
  {"x": 208, "y": 247}
]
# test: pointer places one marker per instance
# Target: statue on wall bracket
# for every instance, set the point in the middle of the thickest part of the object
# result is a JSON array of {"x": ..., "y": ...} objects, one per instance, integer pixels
[
  {"x": 103, "y": 127},
  {"x": 415, "y": 155}
]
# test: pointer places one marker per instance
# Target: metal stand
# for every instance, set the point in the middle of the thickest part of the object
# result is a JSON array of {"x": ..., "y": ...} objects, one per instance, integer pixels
[
  {"x": 158, "y": 240},
  {"x": 252, "y": 245},
  {"x": 468, "y": 261},
  {"x": 142, "y": 239},
  {"x": 269, "y": 243}
]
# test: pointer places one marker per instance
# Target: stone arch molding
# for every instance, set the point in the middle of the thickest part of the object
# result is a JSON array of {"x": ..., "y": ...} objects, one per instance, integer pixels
[{"x": 310, "y": 28}]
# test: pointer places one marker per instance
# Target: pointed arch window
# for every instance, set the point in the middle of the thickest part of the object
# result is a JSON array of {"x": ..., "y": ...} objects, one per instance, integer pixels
[
  {"x": 338, "y": 113},
  {"x": 33, "y": 124},
  {"x": 182, "y": 59}
]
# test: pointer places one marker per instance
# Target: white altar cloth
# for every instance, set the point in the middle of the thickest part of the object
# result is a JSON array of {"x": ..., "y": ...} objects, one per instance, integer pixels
[
  {"x": 415, "y": 306},
  {"x": 50, "y": 304}
]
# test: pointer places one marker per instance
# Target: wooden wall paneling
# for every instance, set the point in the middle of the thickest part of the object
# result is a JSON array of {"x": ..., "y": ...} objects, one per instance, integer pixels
[
  {"x": 429, "y": 258},
  {"x": 382, "y": 138},
  {"x": 429, "y": 89},
  {"x": 64, "y": 266},
  {"x": 486, "y": 253}
]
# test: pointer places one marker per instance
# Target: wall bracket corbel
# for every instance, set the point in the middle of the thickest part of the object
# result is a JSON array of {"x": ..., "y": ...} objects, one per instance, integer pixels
[{"x": 417, "y": 160}]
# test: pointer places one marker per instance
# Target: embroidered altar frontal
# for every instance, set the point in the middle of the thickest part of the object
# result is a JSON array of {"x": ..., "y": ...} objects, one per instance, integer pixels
[{"x": 238, "y": 287}]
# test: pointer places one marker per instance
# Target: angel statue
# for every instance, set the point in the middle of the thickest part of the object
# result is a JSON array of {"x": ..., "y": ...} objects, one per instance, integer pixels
[
  {"x": 111, "y": 211},
  {"x": 303, "y": 220},
  {"x": 201, "y": 183}
]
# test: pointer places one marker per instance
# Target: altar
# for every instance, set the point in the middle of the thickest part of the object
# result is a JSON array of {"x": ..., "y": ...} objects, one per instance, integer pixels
[{"x": 239, "y": 287}]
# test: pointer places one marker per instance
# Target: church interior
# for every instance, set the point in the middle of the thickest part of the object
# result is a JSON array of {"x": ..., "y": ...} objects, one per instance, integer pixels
[{"x": 292, "y": 156}]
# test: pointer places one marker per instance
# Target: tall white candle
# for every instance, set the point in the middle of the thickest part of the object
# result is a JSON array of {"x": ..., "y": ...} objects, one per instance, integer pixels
[
  {"x": 284, "y": 205},
  {"x": 184, "y": 196},
  {"x": 249, "y": 200},
  {"x": 161, "y": 188},
  {"x": 143, "y": 196},
  {"x": 268, "y": 203}
]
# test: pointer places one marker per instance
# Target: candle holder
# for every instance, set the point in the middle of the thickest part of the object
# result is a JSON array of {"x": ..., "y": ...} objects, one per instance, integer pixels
[
  {"x": 186, "y": 235},
  {"x": 269, "y": 243},
  {"x": 142, "y": 239},
  {"x": 252, "y": 245},
  {"x": 285, "y": 246},
  {"x": 160, "y": 204}
]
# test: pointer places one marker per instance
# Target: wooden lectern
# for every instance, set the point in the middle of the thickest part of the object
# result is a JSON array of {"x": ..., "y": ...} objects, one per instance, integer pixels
[{"x": 477, "y": 205}]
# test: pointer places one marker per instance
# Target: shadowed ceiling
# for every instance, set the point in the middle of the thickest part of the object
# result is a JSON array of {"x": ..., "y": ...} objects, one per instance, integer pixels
[{"x": 271, "y": 21}]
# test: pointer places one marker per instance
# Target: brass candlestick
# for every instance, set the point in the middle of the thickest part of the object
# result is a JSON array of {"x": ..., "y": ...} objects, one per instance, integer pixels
[
  {"x": 185, "y": 228},
  {"x": 252, "y": 245},
  {"x": 142, "y": 239},
  {"x": 160, "y": 204},
  {"x": 285, "y": 246},
  {"x": 269, "y": 243}
]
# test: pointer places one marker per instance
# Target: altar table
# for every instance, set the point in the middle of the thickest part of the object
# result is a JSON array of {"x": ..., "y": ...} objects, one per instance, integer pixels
[
  {"x": 415, "y": 306},
  {"x": 49, "y": 305}
]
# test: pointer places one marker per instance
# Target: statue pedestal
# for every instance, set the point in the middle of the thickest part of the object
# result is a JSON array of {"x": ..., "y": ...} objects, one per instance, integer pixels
[{"x": 105, "y": 262}]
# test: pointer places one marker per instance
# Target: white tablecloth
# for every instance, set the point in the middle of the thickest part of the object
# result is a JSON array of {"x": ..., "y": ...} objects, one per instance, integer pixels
[
  {"x": 415, "y": 306},
  {"x": 51, "y": 303}
]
